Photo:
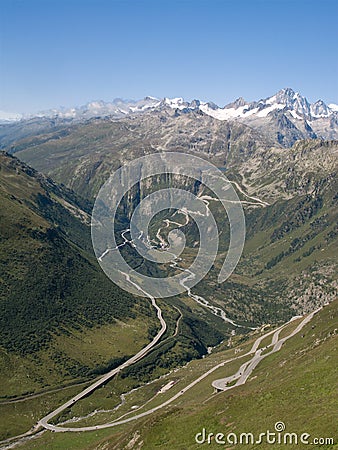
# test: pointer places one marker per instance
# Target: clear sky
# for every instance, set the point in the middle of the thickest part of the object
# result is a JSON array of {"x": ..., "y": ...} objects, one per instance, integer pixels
[{"x": 69, "y": 52}]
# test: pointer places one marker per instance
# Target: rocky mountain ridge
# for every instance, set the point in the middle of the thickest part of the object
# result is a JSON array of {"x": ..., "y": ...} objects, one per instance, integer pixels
[
  {"x": 285, "y": 99},
  {"x": 281, "y": 119}
]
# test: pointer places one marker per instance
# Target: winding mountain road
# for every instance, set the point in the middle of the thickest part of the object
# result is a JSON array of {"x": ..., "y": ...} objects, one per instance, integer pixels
[
  {"x": 247, "y": 368},
  {"x": 241, "y": 375},
  {"x": 44, "y": 421},
  {"x": 221, "y": 385}
]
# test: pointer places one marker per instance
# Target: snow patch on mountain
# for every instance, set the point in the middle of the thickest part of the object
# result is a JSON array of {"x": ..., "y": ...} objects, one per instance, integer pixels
[
  {"x": 9, "y": 117},
  {"x": 286, "y": 100},
  {"x": 175, "y": 103},
  {"x": 333, "y": 107}
]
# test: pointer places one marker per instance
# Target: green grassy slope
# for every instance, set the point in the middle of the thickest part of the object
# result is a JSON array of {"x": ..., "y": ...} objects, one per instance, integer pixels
[
  {"x": 62, "y": 321},
  {"x": 57, "y": 314},
  {"x": 52, "y": 290},
  {"x": 289, "y": 258},
  {"x": 295, "y": 386}
]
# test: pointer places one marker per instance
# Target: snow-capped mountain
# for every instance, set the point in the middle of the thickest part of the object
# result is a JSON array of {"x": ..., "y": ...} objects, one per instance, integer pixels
[
  {"x": 285, "y": 100},
  {"x": 333, "y": 107},
  {"x": 117, "y": 108},
  {"x": 7, "y": 117},
  {"x": 283, "y": 118}
]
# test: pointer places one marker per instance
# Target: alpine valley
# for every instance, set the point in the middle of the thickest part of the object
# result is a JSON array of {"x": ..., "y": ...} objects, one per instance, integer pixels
[{"x": 86, "y": 365}]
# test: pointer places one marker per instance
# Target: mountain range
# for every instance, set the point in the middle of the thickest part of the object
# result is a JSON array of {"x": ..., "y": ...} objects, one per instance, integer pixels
[
  {"x": 63, "y": 322},
  {"x": 286, "y": 99},
  {"x": 281, "y": 119}
]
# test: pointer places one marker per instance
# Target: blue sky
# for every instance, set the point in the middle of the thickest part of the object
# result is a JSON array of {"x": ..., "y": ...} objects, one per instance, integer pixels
[{"x": 69, "y": 52}]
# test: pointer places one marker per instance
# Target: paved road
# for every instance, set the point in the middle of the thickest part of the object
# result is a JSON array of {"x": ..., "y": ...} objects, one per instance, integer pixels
[
  {"x": 262, "y": 202},
  {"x": 44, "y": 422},
  {"x": 102, "y": 380},
  {"x": 247, "y": 368},
  {"x": 241, "y": 375},
  {"x": 27, "y": 397}
]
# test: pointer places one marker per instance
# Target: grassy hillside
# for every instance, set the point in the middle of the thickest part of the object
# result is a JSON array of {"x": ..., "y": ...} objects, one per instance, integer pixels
[
  {"x": 62, "y": 321},
  {"x": 53, "y": 292},
  {"x": 289, "y": 257},
  {"x": 295, "y": 386}
]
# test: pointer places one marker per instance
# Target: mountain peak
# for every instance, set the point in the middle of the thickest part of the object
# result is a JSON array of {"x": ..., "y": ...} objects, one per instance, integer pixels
[
  {"x": 319, "y": 109},
  {"x": 237, "y": 103},
  {"x": 287, "y": 96},
  {"x": 286, "y": 99},
  {"x": 287, "y": 92}
]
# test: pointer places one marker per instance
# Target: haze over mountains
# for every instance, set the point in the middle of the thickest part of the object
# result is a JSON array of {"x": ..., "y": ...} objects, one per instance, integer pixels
[{"x": 286, "y": 99}]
